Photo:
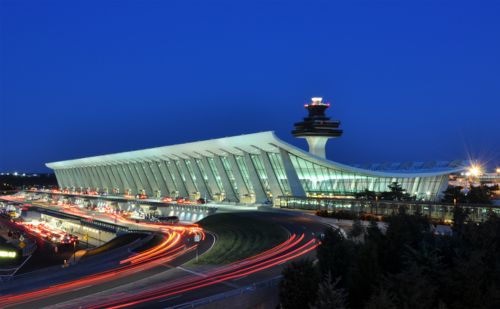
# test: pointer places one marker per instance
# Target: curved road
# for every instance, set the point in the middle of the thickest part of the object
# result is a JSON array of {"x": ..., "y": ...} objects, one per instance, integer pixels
[{"x": 167, "y": 283}]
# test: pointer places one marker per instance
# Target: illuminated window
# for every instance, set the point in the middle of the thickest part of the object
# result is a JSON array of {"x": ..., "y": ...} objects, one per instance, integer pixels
[
  {"x": 215, "y": 172},
  {"x": 240, "y": 161},
  {"x": 229, "y": 172}
]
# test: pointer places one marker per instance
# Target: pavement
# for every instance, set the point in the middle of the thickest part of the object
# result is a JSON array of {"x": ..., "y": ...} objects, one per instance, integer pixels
[
  {"x": 164, "y": 271},
  {"x": 167, "y": 279},
  {"x": 173, "y": 272}
]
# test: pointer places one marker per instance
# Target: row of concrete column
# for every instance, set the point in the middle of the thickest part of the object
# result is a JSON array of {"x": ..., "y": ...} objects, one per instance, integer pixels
[{"x": 183, "y": 177}]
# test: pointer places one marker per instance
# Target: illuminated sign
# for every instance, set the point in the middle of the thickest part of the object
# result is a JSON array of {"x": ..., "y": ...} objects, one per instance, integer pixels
[{"x": 8, "y": 254}]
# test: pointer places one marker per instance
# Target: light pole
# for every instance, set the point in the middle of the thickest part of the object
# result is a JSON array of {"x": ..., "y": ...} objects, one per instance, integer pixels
[{"x": 197, "y": 239}]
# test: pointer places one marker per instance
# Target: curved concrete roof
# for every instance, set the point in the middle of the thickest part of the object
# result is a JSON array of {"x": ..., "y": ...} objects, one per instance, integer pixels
[{"x": 252, "y": 143}]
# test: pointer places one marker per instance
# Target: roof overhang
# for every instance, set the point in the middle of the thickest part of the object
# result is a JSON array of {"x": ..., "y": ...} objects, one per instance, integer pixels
[{"x": 251, "y": 143}]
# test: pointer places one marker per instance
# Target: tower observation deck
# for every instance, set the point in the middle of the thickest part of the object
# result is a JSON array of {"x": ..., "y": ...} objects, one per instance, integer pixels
[{"x": 317, "y": 128}]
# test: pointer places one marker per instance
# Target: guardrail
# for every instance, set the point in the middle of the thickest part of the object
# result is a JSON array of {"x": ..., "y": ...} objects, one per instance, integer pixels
[{"x": 13, "y": 271}]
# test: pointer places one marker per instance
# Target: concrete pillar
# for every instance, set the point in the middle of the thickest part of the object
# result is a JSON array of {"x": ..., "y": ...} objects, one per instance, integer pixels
[
  {"x": 226, "y": 183},
  {"x": 271, "y": 176},
  {"x": 240, "y": 182},
  {"x": 102, "y": 179},
  {"x": 162, "y": 185},
  {"x": 120, "y": 174},
  {"x": 167, "y": 177},
  {"x": 141, "y": 178},
  {"x": 212, "y": 182},
  {"x": 187, "y": 176},
  {"x": 107, "y": 178},
  {"x": 95, "y": 177},
  {"x": 69, "y": 179},
  {"x": 200, "y": 182},
  {"x": 60, "y": 178},
  {"x": 180, "y": 185},
  {"x": 260, "y": 192},
  {"x": 115, "y": 183},
  {"x": 131, "y": 178},
  {"x": 65, "y": 179},
  {"x": 150, "y": 177},
  {"x": 291, "y": 175},
  {"x": 77, "y": 179},
  {"x": 83, "y": 181},
  {"x": 91, "y": 177}
]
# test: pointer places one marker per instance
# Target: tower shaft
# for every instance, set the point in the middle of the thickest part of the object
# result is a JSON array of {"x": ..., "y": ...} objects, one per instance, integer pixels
[
  {"x": 317, "y": 128},
  {"x": 317, "y": 145}
]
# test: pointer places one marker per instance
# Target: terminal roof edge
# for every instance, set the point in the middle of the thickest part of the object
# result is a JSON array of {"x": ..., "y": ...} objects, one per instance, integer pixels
[{"x": 251, "y": 143}]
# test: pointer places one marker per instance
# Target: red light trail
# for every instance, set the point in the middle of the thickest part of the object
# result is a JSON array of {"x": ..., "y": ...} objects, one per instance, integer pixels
[
  {"x": 170, "y": 248},
  {"x": 249, "y": 266}
]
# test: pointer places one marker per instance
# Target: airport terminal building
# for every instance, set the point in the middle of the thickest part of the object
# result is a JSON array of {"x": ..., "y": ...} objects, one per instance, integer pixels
[{"x": 252, "y": 168}]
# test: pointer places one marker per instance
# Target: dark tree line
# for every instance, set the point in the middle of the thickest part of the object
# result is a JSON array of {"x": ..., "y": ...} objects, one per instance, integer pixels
[
  {"x": 11, "y": 182},
  {"x": 407, "y": 266},
  {"x": 481, "y": 194},
  {"x": 395, "y": 193}
]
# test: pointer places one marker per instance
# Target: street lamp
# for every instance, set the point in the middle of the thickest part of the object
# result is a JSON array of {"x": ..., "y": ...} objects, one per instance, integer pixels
[{"x": 475, "y": 170}]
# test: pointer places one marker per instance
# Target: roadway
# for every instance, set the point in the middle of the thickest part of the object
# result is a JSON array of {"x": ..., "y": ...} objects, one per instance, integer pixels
[{"x": 169, "y": 282}]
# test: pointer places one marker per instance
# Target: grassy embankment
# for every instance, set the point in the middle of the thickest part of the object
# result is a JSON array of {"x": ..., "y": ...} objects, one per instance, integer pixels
[{"x": 239, "y": 237}]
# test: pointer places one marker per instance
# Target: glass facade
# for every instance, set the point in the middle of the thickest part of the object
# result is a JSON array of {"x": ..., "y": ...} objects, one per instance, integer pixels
[
  {"x": 203, "y": 173},
  {"x": 175, "y": 180},
  {"x": 318, "y": 179},
  {"x": 240, "y": 161},
  {"x": 261, "y": 172},
  {"x": 218, "y": 180},
  {"x": 279, "y": 171},
  {"x": 229, "y": 173},
  {"x": 191, "y": 173}
]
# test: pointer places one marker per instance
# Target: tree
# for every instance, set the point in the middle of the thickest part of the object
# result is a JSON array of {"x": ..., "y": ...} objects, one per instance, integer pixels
[
  {"x": 329, "y": 295},
  {"x": 479, "y": 194},
  {"x": 357, "y": 229},
  {"x": 299, "y": 285},
  {"x": 373, "y": 233},
  {"x": 460, "y": 216},
  {"x": 403, "y": 231},
  {"x": 407, "y": 266},
  {"x": 335, "y": 254},
  {"x": 381, "y": 299},
  {"x": 395, "y": 193},
  {"x": 453, "y": 194},
  {"x": 413, "y": 288},
  {"x": 366, "y": 195},
  {"x": 365, "y": 270}
]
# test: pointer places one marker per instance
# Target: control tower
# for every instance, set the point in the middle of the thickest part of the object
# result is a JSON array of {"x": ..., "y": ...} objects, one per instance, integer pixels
[{"x": 317, "y": 128}]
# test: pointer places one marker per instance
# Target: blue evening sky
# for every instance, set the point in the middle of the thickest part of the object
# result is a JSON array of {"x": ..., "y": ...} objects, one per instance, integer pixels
[{"x": 409, "y": 80}]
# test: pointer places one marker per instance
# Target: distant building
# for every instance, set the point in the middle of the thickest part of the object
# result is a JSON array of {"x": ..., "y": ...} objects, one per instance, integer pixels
[
  {"x": 252, "y": 168},
  {"x": 475, "y": 177}
]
